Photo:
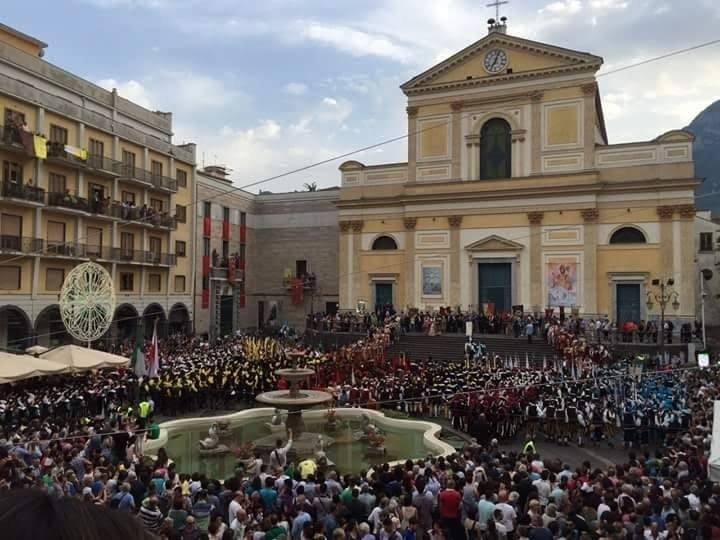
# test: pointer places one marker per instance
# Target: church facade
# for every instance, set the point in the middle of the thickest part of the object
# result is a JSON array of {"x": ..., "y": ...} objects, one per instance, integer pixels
[{"x": 512, "y": 196}]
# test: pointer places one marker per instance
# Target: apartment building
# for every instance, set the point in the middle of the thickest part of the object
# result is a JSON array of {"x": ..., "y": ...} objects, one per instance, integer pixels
[{"x": 87, "y": 175}]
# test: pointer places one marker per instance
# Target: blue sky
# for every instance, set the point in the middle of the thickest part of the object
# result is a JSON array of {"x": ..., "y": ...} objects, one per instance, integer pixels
[{"x": 269, "y": 86}]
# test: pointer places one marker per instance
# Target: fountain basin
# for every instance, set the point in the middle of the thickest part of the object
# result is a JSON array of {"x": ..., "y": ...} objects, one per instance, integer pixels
[
  {"x": 405, "y": 439},
  {"x": 283, "y": 400}
]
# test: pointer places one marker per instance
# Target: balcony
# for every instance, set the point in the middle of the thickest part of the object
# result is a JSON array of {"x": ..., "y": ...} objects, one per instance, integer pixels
[
  {"x": 65, "y": 249},
  {"x": 104, "y": 165},
  {"x": 19, "y": 244},
  {"x": 11, "y": 139},
  {"x": 142, "y": 257},
  {"x": 164, "y": 183},
  {"x": 309, "y": 282},
  {"x": 56, "y": 154},
  {"x": 32, "y": 194},
  {"x": 143, "y": 216}
]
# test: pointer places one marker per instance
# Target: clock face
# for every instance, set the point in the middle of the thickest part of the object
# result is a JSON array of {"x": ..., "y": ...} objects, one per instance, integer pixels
[{"x": 495, "y": 61}]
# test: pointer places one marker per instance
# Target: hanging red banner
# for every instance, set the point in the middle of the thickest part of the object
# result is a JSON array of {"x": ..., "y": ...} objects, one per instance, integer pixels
[
  {"x": 231, "y": 270},
  {"x": 297, "y": 291},
  {"x": 206, "y": 298}
]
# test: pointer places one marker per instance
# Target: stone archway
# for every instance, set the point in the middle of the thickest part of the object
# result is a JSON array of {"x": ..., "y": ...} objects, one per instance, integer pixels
[
  {"x": 152, "y": 312},
  {"x": 50, "y": 330},
  {"x": 125, "y": 322},
  {"x": 179, "y": 319},
  {"x": 15, "y": 328}
]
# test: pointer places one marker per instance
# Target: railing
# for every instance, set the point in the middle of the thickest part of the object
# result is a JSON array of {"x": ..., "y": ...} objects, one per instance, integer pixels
[
  {"x": 10, "y": 136},
  {"x": 309, "y": 282},
  {"x": 104, "y": 164},
  {"x": 19, "y": 244},
  {"x": 66, "y": 200},
  {"x": 56, "y": 151},
  {"x": 141, "y": 256},
  {"x": 146, "y": 216},
  {"x": 141, "y": 175},
  {"x": 23, "y": 192},
  {"x": 66, "y": 249}
]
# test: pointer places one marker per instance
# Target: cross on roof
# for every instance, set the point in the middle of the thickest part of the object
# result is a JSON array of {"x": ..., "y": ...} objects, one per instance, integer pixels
[{"x": 497, "y": 5}]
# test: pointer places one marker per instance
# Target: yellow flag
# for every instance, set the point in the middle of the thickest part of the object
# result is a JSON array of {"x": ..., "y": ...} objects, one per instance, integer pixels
[{"x": 40, "y": 146}]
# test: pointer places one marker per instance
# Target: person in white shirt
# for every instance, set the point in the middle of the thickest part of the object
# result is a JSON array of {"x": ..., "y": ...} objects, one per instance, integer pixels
[
  {"x": 508, "y": 512},
  {"x": 278, "y": 457},
  {"x": 544, "y": 487},
  {"x": 235, "y": 505}
]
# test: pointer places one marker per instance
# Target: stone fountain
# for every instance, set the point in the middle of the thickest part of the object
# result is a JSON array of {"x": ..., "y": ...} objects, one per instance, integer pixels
[{"x": 294, "y": 400}]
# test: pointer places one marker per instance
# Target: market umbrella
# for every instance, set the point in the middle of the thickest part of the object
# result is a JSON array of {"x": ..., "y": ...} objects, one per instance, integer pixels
[
  {"x": 16, "y": 367},
  {"x": 84, "y": 359}
]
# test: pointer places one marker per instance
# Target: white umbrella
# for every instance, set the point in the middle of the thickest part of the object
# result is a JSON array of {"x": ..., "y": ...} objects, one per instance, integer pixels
[
  {"x": 83, "y": 359},
  {"x": 16, "y": 367},
  {"x": 36, "y": 349}
]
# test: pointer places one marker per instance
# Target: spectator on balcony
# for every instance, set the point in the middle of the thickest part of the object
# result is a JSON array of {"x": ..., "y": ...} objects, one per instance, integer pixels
[{"x": 215, "y": 258}]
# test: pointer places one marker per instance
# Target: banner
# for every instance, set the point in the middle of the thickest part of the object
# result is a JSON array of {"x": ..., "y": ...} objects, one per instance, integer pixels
[
  {"x": 562, "y": 282},
  {"x": 79, "y": 153},
  {"x": 468, "y": 328},
  {"x": 297, "y": 291},
  {"x": 231, "y": 271}
]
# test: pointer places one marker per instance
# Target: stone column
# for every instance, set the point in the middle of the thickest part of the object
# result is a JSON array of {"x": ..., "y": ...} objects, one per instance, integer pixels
[
  {"x": 536, "y": 133},
  {"x": 357, "y": 275},
  {"x": 686, "y": 275},
  {"x": 38, "y": 170},
  {"x": 536, "y": 270},
  {"x": 412, "y": 143},
  {"x": 472, "y": 142},
  {"x": 345, "y": 265},
  {"x": 456, "y": 152},
  {"x": 455, "y": 261},
  {"x": 666, "y": 213},
  {"x": 590, "y": 283},
  {"x": 589, "y": 91},
  {"x": 410, "y": 223}
]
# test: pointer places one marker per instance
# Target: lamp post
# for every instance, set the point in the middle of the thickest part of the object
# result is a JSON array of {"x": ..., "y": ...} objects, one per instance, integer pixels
[{"x": 663, "y": 294}]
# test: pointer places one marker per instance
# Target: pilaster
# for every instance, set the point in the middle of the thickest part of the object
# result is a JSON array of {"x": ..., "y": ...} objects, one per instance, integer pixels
[
  {"x": 455, "y": 222},
  {"x": 410, "y": 223},
  {"x": 345, "y": 265},
  {"x": 535, "y": 248},
  {"x": 589, "y": 272},
  {"x": 456, "y": 171},
  {"x": 412, "y": 143},
  {"x": 589, "y": 91},
  {"x": 686, "y": 275},
  {"x": 666, "y": 213},
  {"x": 357, "y": 277},
  {"x": 536, "y": 131}
]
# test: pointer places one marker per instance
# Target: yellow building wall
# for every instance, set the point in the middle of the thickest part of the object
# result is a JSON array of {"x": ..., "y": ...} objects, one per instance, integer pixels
[
  {"x": 106, "y": 139},
  {"x": 69, "y": 221},
  {"x": 518, "y": 61},
  {"x": 27, "y": 215},
  {"x": 617, "y": 259},
  {"x": 134, "y": 148},
  {"x": 130, "y": 187},
  {"x": 135, "y": 270},
  {"x": 96, "y": 179},
  {"x": 52, "y": 263},
  {"x": 433, "y": 136},
  {"x": 29, "y": 110},
  {"x": 25, "y": 265},
  {"x": 163, "y": 281},
  {"x": 60, "y": 121},
  {"x": 562, "y": 125},
  {"x": 153, "y": 156},
  {"x": 19, "y": 43},
  {"x": 104, "y": 225},
  {"x": 69, "y": 174},
  {"x": 373, "y": 262}
]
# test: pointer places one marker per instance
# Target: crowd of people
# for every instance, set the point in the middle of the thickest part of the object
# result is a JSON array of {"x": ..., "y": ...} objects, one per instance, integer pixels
[{"x": 80, "y": 437}]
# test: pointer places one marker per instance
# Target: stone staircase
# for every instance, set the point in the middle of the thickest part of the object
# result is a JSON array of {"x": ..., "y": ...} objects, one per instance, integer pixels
[{"x": 449, "y": 347}]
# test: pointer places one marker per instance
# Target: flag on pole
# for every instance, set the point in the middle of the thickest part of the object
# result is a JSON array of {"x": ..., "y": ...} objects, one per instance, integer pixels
[
  {"x": 137, "y": 359},
  {"x": 544, "y": 363},
  {"x": 352, "y": 375},
  {"x": 153, "y": 355},
  {"x": 527, "y": 361}
]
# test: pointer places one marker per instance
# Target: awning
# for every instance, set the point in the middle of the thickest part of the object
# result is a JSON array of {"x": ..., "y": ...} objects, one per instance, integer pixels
[
  {"x": 16, "y": 367},
  {"x": 84, "y": 359}
]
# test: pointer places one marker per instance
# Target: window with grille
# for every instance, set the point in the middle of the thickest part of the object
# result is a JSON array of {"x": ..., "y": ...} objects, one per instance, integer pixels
[
  {"x": 180, "y": 248},
  {"x": 180, "y": 213},
  {"x": 57, "y": 183},
  {"x": 706, "y": 241},
  {"x": 181, "y": 177},
  {"x": 58, "y": 134},
  {"x": 54, "y": 278},
  {"x": 179, "y": 283},
  {"x": 97, "y": 148},
  {"x": 12, "y": 172},
  {"x": 154, "y": 282},
  {"x": 9, "y": 278},
  {"x": 127, "y": 281}
]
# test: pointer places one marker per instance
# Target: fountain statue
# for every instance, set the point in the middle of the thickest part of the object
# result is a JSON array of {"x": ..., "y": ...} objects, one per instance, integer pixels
[
  {"x": 370, "y": 433},
  {"x": 276, "y": 424},
  {"x": 320, "y": 455},
  {"x": 223, "y": 428},
  {"x": 211, "y": 445}
]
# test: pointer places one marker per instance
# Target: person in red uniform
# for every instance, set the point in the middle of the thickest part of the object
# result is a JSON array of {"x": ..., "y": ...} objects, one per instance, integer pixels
[{"x": 449, "y": 506}]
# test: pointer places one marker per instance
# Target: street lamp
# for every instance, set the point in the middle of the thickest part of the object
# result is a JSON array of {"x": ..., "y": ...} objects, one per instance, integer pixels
[{"x": 663, "y": 295}]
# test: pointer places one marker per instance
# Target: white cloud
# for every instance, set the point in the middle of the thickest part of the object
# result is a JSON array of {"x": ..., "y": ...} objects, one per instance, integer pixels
[
  {"x": 566, "y": 7},
  {"x": 112, "y": 4},
  {"x": 133, "y": 90},
  {"x": 295, "y": 88},
  {"x": 608, "y": 4},
  {"x": 330, "y": 101},
  {"x": 354, "y": 42}
]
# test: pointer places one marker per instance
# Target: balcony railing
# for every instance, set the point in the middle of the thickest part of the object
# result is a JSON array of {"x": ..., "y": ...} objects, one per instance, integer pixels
[
  {"x": 144, "y": 257},
  {"x": 65, "y": 249},
  {"x": 23, "y": 192},
  {"x": 146, "y": 216},
  {"x": 73, "y": 202},
  {"x": 56, "y": 152},
  {"x": 104, "y": 164},
  {"x": 11, "y": 138},
  {"x": 19, "y": 244},
  {"x": 309, "y": 282},
  {"x": 147, "y": 177}
]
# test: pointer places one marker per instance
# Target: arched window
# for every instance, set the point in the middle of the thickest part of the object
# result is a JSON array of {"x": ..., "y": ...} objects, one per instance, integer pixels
[
  {"x": 384, "y": 242},
  {"x": 628, "y": 235},
  {"x": 495, "y": 143}
]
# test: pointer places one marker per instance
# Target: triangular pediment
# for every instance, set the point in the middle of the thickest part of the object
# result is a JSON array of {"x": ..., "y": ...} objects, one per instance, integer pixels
[
  {"x": 494, "y": 243},
  {"x": 526, "y": 59}
]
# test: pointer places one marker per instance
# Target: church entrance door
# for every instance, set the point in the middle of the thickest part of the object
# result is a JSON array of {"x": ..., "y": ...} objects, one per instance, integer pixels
[
  {"x": 628, "y": 302},
  {"x": 495, "y": 285},
  {"x": 383, "y": 295}
]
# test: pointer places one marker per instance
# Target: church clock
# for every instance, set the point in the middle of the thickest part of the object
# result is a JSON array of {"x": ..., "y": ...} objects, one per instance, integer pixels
[{"x": 495, "y": 61}]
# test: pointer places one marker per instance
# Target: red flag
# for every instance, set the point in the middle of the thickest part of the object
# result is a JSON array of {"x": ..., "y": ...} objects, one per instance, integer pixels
[{"x": 297, "y": 291}]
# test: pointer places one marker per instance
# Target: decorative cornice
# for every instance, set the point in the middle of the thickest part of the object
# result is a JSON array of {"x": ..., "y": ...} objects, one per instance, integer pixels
[
  {"x": 457, "y": 105},
  {"x": 686, "y": 210},
  {"x": 589, "y": 89},
  {"x": 356, "y": 225},
  {"x": 455, "y": 221},
  {"x": 518, "y": 135},
  {"x": 412, "y": 111},
  {"x": 665, "y": 212},
  {"x": 590, "y": 214},
  {"x": 345, "y": 226},
  {"x": 535, "y": 218},
  {"x": 410, "y": 223}
]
